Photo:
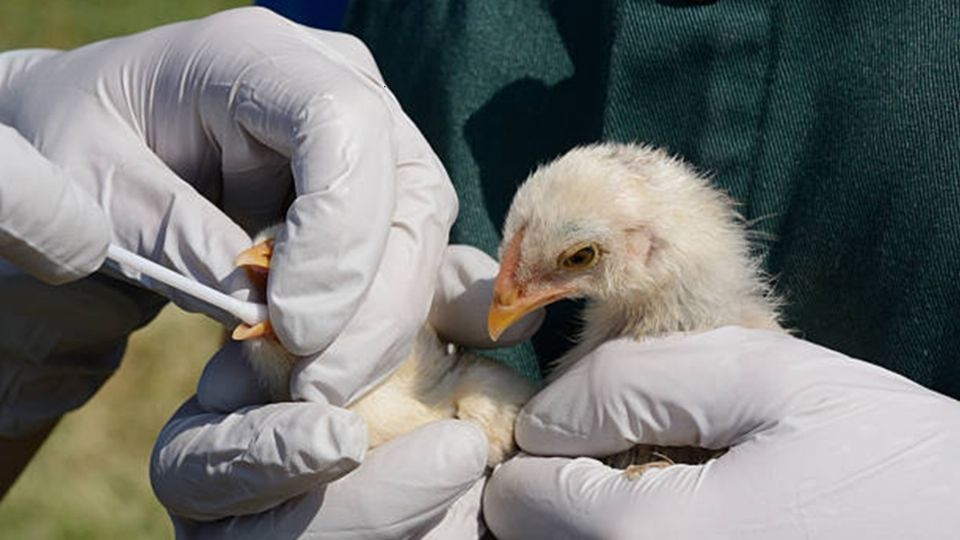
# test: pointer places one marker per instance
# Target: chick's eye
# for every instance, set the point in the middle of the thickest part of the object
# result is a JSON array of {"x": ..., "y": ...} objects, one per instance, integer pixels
[{"x": 579, "y": 258}]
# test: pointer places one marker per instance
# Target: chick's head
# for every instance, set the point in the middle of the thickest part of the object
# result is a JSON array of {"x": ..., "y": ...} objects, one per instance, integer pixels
[{"x": 612, "y": 223}]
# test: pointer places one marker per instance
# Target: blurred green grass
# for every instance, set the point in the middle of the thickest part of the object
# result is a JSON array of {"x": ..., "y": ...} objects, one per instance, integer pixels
[
  {"x": 65, "y": 24},
  {"x": 90, "y": 479}
]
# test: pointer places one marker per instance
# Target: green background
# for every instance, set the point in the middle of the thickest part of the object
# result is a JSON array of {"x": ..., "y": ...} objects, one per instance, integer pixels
[{"x": 833, "y": 124}]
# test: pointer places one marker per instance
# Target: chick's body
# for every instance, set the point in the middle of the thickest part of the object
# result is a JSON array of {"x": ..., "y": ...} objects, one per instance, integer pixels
[{"x": 435, "y": 382}]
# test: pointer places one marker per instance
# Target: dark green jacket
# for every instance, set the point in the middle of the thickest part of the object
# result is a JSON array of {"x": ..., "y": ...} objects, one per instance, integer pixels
[{"x": 835, "y": 123}]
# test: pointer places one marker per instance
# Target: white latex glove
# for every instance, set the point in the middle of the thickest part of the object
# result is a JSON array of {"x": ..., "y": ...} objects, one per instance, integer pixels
[
  {"x": 184, "y": 131},
  {"x": 60, "y": 343},
  {"x": 822, "y": 446},
  {"x": 49, "y": 227},
  {"x": 277, "y": 471}
]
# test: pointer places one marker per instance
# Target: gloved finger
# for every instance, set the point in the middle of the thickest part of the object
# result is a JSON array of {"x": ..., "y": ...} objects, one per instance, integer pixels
[
  {"x": 49, "y": 227},
  {"x": 15, "y": 62},
  {"x": 333, "y": 122},
  {"x": 154, "y": 213},
  {"x": 380, "y": 335},
  {"x": 206, "y": 465},
  {"x": 349, "y": 147},
  {"x": 558, "y": 498},
  {"x": 711, "y": 390},
  {"x": 229, "y": 383},
  {"x": 402, "y": 490},
  {"x": 463, "y": 296},
  {"x": 463, "y": 518},
  {"x": 352, "y": 48}
]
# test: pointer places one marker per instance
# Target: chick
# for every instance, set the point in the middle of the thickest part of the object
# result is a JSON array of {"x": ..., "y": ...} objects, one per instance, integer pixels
[
  {"x": 645, "y": 239},
  {"x": 651, "y": 245},
  {"x": 435, "y": 381}
]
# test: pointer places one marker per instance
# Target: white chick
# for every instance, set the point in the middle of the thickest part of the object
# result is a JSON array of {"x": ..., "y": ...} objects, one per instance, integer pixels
[
  {"x": 433, "y": 383},
  {"x": 652, "y": 246},
  {"x": 645, "y": 239}
]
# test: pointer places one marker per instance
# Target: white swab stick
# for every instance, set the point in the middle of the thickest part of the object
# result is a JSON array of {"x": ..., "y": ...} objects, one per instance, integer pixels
[{"x": 248, "y": 312}]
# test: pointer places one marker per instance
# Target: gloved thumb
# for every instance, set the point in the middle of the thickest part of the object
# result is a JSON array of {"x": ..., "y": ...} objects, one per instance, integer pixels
[
  {"x": 710, "y": 390},
  {"x": 532, "y": 498},
  {"x": 229, "y": 383},
  {"x": 206, "y": 466}
]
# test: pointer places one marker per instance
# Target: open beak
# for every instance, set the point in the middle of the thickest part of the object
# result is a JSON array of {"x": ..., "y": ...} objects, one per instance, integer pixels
[
  {"x": 256, "y": 262},
  {"x": 257, "y": 258},
  {"x": 511, "y": 301}
]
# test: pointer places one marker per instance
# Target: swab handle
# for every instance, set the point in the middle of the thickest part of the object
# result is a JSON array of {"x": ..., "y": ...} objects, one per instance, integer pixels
[{"x": 248, "y": 312}]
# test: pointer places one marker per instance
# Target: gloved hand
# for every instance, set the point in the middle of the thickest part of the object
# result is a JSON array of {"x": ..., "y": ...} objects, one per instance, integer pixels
[
  {"x": 280, "y": 470},
  {"x": 59, "y": 343},
  {"x": 49, "y": 227},
  {"x": 183, "y": 132},
  {"x": 821, "y": 446}
]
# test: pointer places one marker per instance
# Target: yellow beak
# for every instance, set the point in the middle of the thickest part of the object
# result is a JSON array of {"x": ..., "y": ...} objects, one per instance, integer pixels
[
  {"x": 503, "y": 315},
  {"x": 510, "y": 305},
  {"x": 256, "y": 262},
  {"x": 511, "y": 300},
  {"x": 256, "y": 258}
]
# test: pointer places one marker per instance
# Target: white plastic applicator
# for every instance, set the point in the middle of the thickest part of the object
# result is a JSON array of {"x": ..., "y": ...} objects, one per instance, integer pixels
[{"x": 248, "y": 312}]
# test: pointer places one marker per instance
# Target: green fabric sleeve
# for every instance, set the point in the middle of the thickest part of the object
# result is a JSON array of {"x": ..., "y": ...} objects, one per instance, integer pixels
[{"x": 835, "y": 124}]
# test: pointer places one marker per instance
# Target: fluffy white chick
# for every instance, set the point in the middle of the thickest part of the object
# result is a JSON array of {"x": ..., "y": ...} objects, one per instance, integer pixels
[
  {"x": 435, "y": 381},
  {"x": 644, "y": 238}
]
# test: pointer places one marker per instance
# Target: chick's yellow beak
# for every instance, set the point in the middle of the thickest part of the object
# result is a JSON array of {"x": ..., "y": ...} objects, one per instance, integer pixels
[
  {"x": 256, "y": 258},
  {"x": 256, "y": 262},
  {"x": 511, "y": 300},
  {"x": 510, "y": 305},
  {"x": 503, "y": 315}
]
